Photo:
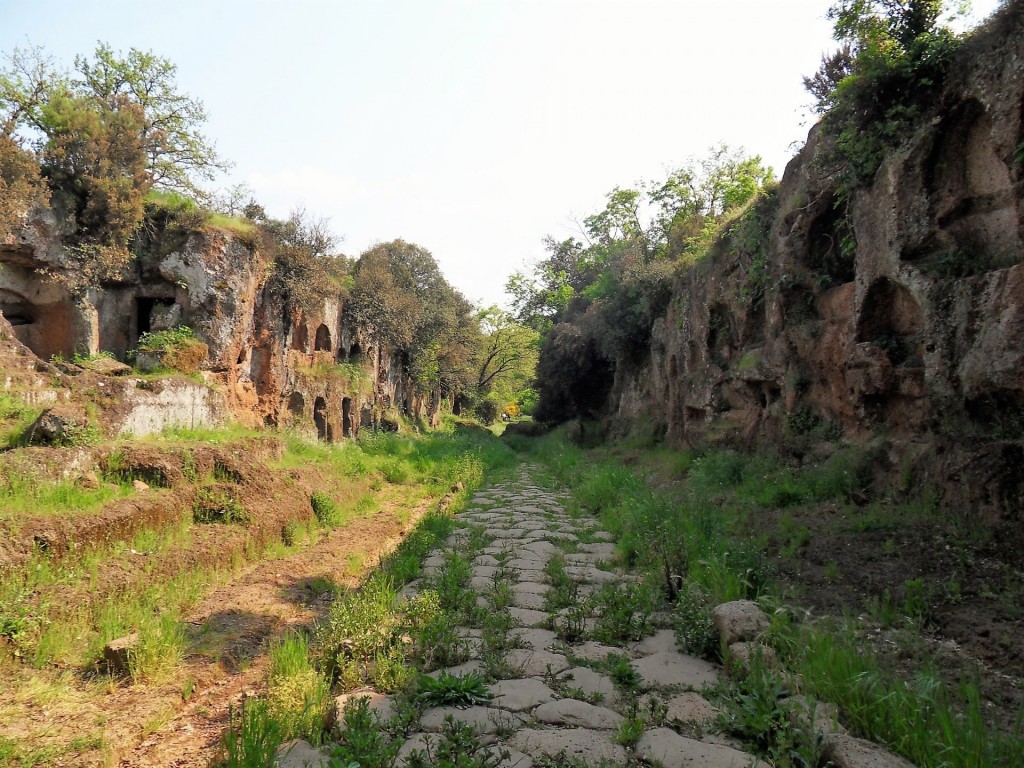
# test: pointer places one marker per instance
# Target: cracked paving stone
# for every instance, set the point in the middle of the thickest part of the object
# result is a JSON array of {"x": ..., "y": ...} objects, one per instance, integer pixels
[
  {"x": 673, "y": 668},
  {"x": 537, "y": 639},
  {"x": 485, "y": 721},
  {"x": 589, "y": 682},
  {"x": 591, "y": 747},
  {"x": 665, "y": 746},
  {"x": 528, "y": 617},
  {"x": 531, "y": 663},
  {"x": 520, "y": 695}
]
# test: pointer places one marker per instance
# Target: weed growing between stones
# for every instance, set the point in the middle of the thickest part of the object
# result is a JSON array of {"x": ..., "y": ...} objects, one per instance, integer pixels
[
  {"x": 252, "y": 737},
  {"x": 362, "y": 740},
  {"x": 457, "y": 747},
  {"x": 452, "y": 690},
  {"x": 623, "y": 612}
]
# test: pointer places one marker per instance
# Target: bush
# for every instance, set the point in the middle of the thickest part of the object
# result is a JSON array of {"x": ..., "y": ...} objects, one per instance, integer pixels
[
  {"x": 486, "y": 411},
  {"x": 176, "y": 349},
  {"x": 215, "y": 505},
  {"x": 327, "y": 513}
]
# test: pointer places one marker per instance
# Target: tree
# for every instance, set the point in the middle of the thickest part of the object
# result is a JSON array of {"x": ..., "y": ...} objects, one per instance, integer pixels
[
  {"x": 893, "y": 62},
  {"x": 506, "y": 361},
  {"x": 400, "y": 299},
  {"x": 103, "y": 137},
  {"x": 21, "y": 185},
  {"x": 305, "y": 268},
  {"x": 169, "y": 129}
]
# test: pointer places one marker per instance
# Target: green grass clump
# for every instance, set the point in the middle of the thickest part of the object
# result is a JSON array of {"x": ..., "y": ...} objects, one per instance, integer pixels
[
  {"x": 921, "y": 718},
  {"x": 252, "y": 737},
  {"x": 218, "y": 505},
  {"x": 297, "y": 695},
  {"x": 326, "y": 511},
  {"x": 21, "y": 496},
  {"x": 447, "y": 690},
  {"x": 362, "y": 638}
]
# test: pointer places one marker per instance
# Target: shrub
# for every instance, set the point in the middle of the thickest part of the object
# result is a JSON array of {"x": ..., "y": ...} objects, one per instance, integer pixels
[
  {"x": 486, "y": 411},
  {"x": 216, "y": 505},
  {"x": 176, "y": 349},
  {"x": 452, "y": 690},
  {"x": 327, "y": 513}
]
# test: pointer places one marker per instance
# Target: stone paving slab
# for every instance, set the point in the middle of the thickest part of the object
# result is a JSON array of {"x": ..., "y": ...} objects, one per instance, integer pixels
[
  {"x": 524, "y": 527},
  {"x": 531, "y": 663},
  {"x": 570, "y": 712},
  {"x": 674, "y": 751},
  {"x": 673, "y": 668},
  {"x": 589, "y": 682},
  {"x": 590, "y": 746},
  {"x": 485, "y": 721},
  {"x": 537, "y": 639},
  {"x": 528, "y": 617},
  {"x": 520, "y": 695}
]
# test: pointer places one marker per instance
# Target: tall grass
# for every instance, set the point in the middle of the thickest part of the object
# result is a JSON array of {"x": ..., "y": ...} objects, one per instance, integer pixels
[
  {"x": 297, "y": 695},
  {"x": 698, "y": 541},
  {"x": 922, "y": 718}
]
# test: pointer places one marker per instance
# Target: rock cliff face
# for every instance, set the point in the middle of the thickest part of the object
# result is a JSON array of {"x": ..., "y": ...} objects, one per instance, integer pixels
[
  {"x": 897, "y": 318},
  {"x": 266, "y": 366}
]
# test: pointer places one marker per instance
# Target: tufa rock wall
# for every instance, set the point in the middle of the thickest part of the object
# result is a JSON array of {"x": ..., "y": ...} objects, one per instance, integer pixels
[
  {"x": 899, "y": 318},
  {"x": 267, "y": 365}
]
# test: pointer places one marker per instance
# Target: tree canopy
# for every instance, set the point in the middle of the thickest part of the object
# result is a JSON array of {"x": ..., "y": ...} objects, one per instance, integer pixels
[{"x": 103, "y": 135}]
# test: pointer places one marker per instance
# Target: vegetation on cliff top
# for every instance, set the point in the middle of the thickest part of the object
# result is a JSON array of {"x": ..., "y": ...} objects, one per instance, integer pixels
[{"x": 596, "y": 299}]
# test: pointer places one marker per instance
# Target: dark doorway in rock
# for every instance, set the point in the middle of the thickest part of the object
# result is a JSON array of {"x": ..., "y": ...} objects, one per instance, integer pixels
[
  {"x": 144, "y": 306},
  {"x": 355, "y": 353},
  {"x": 300, "y": 338},
  {"x": 323, "y": 339},
  {"x": 296, "y": 403},
  {"x": 346, "y": 417},
  {"x": 320, "y": 418}
]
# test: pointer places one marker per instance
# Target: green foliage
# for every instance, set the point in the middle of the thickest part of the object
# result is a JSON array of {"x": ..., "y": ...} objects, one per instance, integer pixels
[
  {"x": 363, "y": 743},
  {"x": 457, "y": 747},
  {"x": 506, "y": 358},
  {"x": 923, "y": 719},
  {"x": 252, "y": 737},
  {"x": 15, "y": 418},
  {"x": 623, "y": 612},
  {"x": 297, "y": 696},
  {"x": 447, "y": 690},
  {"x": 162, "y": 341},
  {"x": 878, "y": 86},
  {"x": 695, "y": 631},
  {"x": 103, "y": 136},
  {"x": 326, "y": 511},
  {"x": 219, "y": 505},
  {"x": 305, "y": 270},
  {"x": 486, "y": 411},
  {"x": 21, "y": 185},
  {"x": 596, "y": 303}
]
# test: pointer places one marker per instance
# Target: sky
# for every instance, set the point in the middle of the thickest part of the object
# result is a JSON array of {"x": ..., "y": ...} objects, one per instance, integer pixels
[{"x": 471, "y": 128}]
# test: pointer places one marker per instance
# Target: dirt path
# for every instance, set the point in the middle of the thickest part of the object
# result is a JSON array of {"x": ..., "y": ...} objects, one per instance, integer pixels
[{"x": 227, "y": 639}]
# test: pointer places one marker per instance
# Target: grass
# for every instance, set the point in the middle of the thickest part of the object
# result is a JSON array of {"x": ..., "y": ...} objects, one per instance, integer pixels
[
  {"x": 698, "y": 545},
  {"x": 297, "y": 695},
  {"x": 16, "y": 416},
  {"x": 23, "y": 496}
]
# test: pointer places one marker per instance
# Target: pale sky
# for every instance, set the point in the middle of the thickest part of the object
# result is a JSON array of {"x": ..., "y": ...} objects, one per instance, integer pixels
[{"x": 472, "y": 128}]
